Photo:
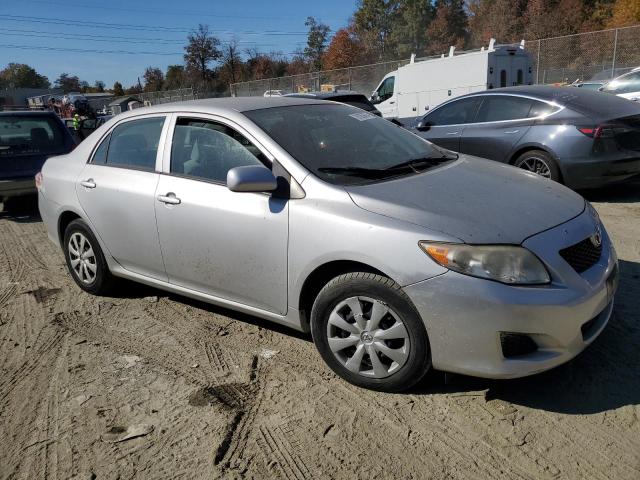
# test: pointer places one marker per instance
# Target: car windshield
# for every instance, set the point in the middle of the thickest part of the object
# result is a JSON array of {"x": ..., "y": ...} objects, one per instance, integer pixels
[
  {"x": 29, "y": 135},
  {"x": 344, "y": 145}
]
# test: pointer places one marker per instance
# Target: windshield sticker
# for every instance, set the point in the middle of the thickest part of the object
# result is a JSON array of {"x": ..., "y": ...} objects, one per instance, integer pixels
[{"x": 362, "y": 116}]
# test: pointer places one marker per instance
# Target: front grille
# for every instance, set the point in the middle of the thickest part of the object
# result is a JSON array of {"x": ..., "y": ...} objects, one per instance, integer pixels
[
  {"x": 516, "y": 344},
  {"x": 582, "y": 255}
]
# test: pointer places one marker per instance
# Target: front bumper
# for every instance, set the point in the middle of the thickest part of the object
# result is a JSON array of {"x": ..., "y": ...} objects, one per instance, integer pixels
[
  {"x": 17, "y": 187},
  {"x": 465, "y": 316}
]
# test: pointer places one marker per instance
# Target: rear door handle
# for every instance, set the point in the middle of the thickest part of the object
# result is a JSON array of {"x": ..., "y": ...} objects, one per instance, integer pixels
[
  {"x": 170, "y": 199},
  {"x": 511, "y": 131},
  {"x": 88, "y": 183},
  {"x": 453, "y": 133}
]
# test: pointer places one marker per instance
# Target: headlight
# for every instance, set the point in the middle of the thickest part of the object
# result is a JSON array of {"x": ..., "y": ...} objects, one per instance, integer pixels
[{"x": 504, "y": 263}]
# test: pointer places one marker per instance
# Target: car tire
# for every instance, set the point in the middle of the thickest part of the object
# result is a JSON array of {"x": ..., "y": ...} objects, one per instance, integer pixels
[
  {"x": 540, "y": 163},
  {"x": 387, "y": 350},
  {"x": 85, "y": 260}
]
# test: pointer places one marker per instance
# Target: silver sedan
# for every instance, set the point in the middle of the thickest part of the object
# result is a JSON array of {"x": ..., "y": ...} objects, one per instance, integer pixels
[{"x": 398, "y": 256}]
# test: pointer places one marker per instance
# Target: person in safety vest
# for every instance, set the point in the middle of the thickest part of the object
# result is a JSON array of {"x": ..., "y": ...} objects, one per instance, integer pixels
[{"x": 76, "y": 122}]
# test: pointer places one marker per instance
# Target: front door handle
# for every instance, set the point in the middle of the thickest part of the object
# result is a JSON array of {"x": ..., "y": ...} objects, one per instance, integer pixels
[
  {"x": 511, "y": 131},
  {"x": 88, "y": 183},
  {"x": 170, "y": 199},
  {"x": 453, "y": 133}
]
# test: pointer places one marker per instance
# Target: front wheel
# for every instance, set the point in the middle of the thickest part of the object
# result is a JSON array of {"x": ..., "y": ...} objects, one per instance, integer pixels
[
  {"x": 540, "y": 163},
  {"x": 85, "y": 259},
  {"x": 369, "y": 333}
]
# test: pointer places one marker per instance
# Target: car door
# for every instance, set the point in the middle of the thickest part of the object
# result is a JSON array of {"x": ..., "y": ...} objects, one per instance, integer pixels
[
  {"x": 445, "y": 124},
  {"x": 227, "y": 244},
  {"x": 501, "y": 122},
  {"x": 117, "y": 189}
]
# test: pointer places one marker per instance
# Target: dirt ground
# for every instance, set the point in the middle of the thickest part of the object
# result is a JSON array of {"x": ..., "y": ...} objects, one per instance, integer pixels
[{"x": 150, "y": 385}]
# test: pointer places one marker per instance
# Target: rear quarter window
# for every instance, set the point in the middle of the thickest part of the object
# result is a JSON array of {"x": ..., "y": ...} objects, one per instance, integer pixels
[{"x": 30, "y": 135}]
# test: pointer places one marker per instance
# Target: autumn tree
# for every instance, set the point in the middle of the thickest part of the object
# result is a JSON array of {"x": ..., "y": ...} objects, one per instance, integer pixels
[
  {"x": 410, "y": 22},
  {"x": 449, "y": 27},
  {"x": 373, "y": 22},
  {"x": 201, "y": 50},
  {"x": 232, "y": 61},
  {"x": 342, "y": 51},
  {"x": 20, "y": 75},
  {"x": 98, "y": 86},
  {"x": 68, "y": 83},
  {"x": 499, "y": 19},
  {"x": 625, "y": 13},
  {"x": 316, "y": 42},
  {"x": 118, "y": 91},
  {"x": 153, "y": 79},
  {"x": 174, "y": 77}
]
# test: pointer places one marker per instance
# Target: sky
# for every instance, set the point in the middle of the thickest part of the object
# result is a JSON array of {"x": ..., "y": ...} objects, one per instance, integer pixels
[{"x": 113, "y": 40}]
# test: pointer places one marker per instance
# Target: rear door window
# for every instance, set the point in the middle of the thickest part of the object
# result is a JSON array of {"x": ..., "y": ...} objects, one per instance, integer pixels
[
  {"x": 458, "y": 112},
  {"x": 497, "y": 108},
  {"x": 134, "y": 144},
  {"x": 30, "y": 135}
]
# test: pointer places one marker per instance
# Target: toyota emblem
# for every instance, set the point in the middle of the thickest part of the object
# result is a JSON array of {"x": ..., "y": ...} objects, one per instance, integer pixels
[{"x": 596, "y": 238}]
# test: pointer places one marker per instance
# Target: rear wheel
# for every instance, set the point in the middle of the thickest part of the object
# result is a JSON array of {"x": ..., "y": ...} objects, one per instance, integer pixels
[
  {"x": 369, "y": 333},
  {"x": 540, "y": 163},
  {"x": 85, "y": 259}
]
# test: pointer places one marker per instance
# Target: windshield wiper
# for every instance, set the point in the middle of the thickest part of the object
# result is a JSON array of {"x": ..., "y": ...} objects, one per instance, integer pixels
[
  {"x": 417, "y": 164},
  {"x": 358, "y": 171}
]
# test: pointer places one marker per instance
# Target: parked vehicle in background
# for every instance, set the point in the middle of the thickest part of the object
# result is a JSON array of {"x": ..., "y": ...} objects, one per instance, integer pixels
[
  {"x": 397, "y": 255},
  {"x": 273, "y": 93},
  {"x": 416, "y": 88},
  {"x": 588, "y": 85},
  {"x": 625, "y": 86},
  {"x": 578, "y": 137},
  {"x": 27, "y": 139},
  {"x": 347, "y": 97}
]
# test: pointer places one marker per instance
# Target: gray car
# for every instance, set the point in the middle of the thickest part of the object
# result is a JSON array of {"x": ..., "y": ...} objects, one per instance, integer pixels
[
  {"x": 579, "y": 137},
  {"x": 397, "y": 256}
]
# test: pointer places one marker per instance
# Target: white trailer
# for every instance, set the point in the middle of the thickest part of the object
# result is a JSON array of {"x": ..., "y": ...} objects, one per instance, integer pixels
[{"x": 415, "y": 88}]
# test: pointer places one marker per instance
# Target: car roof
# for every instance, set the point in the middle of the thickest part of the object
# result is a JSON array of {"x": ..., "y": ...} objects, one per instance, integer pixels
[
  {"x": 326, "y": 95},
  {"x": 589, "y": 102},
  {"x": 32, "y": 113},
  {"x": 222, "y": 106}
]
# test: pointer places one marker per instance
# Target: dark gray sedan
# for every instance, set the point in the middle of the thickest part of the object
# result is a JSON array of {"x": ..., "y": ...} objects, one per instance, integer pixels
[{"x": 581, "y": 138}]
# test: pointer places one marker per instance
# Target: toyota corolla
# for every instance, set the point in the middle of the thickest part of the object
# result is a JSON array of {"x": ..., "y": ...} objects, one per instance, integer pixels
[{"x": 398, "y": 256}]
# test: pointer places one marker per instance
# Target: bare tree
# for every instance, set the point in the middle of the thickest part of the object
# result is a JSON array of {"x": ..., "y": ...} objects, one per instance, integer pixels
[{"x": 201, "y": 50}]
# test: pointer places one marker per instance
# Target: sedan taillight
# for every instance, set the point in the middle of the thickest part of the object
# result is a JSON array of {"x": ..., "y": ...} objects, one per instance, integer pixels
[{"x": 603, "y": 131}]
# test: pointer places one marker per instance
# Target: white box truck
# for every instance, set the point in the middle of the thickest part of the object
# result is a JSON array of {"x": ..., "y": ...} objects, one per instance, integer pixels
[{"x": 413, "y": 89}]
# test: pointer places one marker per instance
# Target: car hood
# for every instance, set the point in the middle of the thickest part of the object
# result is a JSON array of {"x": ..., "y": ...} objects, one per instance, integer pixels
[{"x": 474, "y": 200}]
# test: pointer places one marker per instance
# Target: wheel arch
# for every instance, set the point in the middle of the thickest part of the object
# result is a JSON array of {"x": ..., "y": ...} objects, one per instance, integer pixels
[
  {"x": 319, "y": 277},
  {"x": 64, "y": 220},
  {"x": 530, "y": 147}
]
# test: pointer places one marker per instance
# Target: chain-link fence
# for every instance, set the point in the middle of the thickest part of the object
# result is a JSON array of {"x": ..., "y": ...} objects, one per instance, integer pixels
[{"x": 586, "y": 56}]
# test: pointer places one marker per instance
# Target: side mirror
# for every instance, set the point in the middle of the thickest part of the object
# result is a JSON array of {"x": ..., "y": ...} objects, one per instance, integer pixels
[
  {"x": 252, "y": 178},
  {"x": 423, "y": 126},
  {"x": 375, "y": 98}
]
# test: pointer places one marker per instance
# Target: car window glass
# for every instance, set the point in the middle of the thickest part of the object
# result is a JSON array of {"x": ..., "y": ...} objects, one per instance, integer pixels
[
  {"x": 208, "y": 150},
  {"x": 134, "y": 144},
  {"x": 625, "y": 84},
  {"x": 539, "y": 109},
  {"x": 454, "y": 113},
  {"x": 386, "y": 89},
  {"x": 29, "y": 135},
  {"x": 100, "y": 155},
  {"x": 497, "y": 108}
]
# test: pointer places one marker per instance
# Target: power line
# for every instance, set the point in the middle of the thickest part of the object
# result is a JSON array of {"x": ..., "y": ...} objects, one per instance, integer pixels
[
  {"x": 103, "y": 38},
  {"x": 190, "y": 13},
  {"x": 118, "y": 52},
  {"x": 146, "y": 28}
]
